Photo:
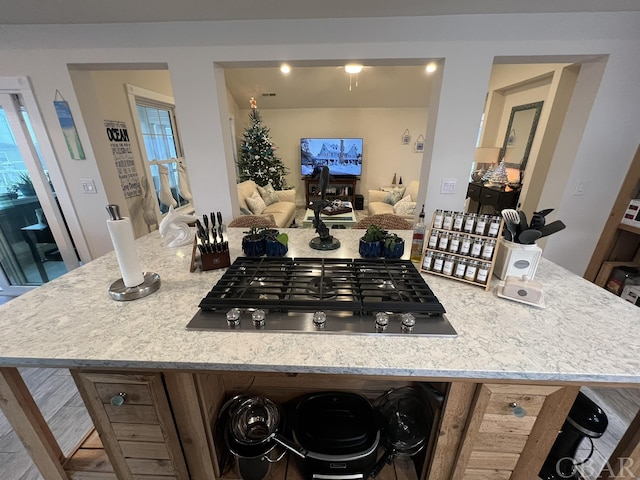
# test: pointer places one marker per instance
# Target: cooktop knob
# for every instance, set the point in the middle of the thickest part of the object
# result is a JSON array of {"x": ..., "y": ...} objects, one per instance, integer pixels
[
  {"x": 382, "y": 321},
  {"x": 258, "y": 317},
  {"x": 408, "y": 322},
  {"x": 233, "y": 317},
  {"x": 319, "y": 319}
]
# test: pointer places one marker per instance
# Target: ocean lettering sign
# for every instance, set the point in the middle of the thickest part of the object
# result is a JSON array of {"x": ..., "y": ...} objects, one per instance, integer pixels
[{"x": 120, "y": 144}]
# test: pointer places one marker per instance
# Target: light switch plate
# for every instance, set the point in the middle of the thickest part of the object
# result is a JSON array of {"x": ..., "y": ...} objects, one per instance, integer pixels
[
  {"x": 448, "y": 186},
  {"x": 88, "y": 185}
]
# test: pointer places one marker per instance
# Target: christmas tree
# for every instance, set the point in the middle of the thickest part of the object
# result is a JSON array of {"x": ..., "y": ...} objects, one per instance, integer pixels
[{"x": 257, "y": 160}]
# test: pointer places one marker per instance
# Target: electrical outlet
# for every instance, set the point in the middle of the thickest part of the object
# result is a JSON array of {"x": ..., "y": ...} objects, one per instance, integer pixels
[
  {"x": 448, "y": 186},
  {"x": 88, "y": 185},
  {"x": 579, "y": 189}
]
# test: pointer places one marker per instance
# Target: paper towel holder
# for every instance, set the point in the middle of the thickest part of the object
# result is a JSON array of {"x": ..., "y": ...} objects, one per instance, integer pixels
[{"x": 118, "y": 290}]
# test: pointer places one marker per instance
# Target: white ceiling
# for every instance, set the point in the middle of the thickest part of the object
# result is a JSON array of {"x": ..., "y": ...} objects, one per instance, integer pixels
[
  {"x": 134, "y": 11},
  {"x": 328, "y": 87}
]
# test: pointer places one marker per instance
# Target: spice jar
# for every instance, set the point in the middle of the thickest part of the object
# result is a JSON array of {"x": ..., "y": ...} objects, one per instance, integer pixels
[
  {"x": 461, "y": 268},
  {"x": 438, "y": 218},
  {"x": 482, "y": 273},
  {"x": 433, "y": 240},
  {"x": 427, "y": 261},
  {"x": 443, "y": 244},
  {"x": 481, "y": 224},
  {"x": 494, "y": 226},
  {"x": 454, "y": 243},
  {"x": 449, "y": 263},
  {"x": 438, "y": 262},
  {"x": 470, "y": 222},
  {"x": 472, "y": 269},
  {"x": 458, "y": 221},
  {"x": 476, "y": 247},
  {"x": 447, "y": 222},
  {"x": 487, "y": 249},
  {"x": 465, "y": 244}
]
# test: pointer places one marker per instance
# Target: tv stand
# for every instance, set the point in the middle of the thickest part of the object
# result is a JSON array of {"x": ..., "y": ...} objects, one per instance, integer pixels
[{"x": 339, "y": 188}]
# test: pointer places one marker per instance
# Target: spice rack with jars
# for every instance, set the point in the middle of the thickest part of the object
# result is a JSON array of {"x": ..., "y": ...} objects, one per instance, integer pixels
[{"x": 462, "y": 246}]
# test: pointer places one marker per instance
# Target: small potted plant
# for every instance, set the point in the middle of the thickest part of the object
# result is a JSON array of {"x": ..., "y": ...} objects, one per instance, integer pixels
[
  {"x": 253, "y": 242},
  {"x": 25, "y": 185},
  {"x": 392, "y": 246},
  {"x": 276, "y": 244},
  {"x": 371, "y": 242}
]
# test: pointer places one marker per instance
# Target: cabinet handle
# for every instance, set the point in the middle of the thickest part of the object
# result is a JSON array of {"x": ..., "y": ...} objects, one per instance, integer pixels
[
  {"x": 118, "y": 400},
  {"x": 517, "y": 410}
]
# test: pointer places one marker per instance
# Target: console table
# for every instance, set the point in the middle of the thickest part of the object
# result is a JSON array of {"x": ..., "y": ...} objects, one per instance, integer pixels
[
  {"x": 339, "y": 188},
  {"x": 493, "y": 197}
]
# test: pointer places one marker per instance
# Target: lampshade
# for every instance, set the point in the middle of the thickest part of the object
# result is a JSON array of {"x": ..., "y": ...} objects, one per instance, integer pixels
[{"x": 486, "y": 155}]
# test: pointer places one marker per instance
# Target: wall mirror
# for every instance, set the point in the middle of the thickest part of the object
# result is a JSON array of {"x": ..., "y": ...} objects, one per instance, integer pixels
[{"x": 519, "y": 135}]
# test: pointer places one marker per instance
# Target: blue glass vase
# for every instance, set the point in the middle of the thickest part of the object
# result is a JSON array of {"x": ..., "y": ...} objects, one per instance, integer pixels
[{"x": 370, "y": 249}]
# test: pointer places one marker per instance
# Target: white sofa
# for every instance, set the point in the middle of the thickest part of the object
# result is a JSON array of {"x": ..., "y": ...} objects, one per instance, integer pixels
[
  {"x": 377, "y": 205},
  {"x": 283, "y": 211}
]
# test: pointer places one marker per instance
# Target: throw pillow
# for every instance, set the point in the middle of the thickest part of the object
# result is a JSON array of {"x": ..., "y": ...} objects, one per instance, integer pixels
[
  {"x": 394, "y": 195},
  {"x": 268, "y": 194},
  {"x": 256, "y": 203},
  {"x": 405, "y": 206},
  {"x": 245, "y": 211}
]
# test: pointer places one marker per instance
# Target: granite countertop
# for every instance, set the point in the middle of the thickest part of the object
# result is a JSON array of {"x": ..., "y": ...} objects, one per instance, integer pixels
[{"x": 585, "y": 334}]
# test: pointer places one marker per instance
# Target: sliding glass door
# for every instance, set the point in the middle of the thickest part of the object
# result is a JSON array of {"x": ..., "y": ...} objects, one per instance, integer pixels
[{"x": 32, "y": 228}]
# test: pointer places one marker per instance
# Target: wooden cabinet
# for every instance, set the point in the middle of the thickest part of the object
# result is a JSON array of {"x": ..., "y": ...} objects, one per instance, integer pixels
[
  {"x": 338, "y": 189},
  {"x": 619, "y": 243},
  {"x": 495, "y": 199},
  {"x": 132, "y": 415},
  {"x": 498, "y": 444}
]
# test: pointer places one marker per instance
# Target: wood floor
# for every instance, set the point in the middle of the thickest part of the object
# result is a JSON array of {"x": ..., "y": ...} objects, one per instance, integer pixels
[{"x": 56, "y": 395}]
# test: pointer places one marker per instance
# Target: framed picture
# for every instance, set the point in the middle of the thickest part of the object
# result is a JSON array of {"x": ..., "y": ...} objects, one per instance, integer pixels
[
  {"x": 419, "y": 146},
  {"x": 406, "y": 138}
]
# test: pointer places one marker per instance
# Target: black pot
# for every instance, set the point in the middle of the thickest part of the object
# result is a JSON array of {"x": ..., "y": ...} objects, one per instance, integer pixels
[{"x": 340, "y": 432}]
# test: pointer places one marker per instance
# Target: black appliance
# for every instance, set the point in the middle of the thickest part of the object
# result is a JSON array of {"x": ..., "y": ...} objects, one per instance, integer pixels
[
  {"x": 585, "y": 420},
  {"x": 359, "y": 202},
  {"x": 339, "y": 432},
  {"x": 323, "y": 295}
]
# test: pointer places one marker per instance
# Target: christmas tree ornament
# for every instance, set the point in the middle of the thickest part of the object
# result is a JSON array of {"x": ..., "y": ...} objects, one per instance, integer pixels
[
  {"x": 253, "y": 103},
  {"x": 487, "y": 175},
  {"x": 499, "y": 175}
]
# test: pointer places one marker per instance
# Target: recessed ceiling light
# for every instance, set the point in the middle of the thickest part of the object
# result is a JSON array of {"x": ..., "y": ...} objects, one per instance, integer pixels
[
  {"x": 432, "y": 67},
  {"x": 284, "y": 68},
  {"x": 353, "y": 68}
]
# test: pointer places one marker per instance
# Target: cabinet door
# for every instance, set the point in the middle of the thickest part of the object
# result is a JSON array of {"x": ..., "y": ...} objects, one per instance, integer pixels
[
  {"x": 132, "y": 416},
  {"x": 500, "y": 445}
]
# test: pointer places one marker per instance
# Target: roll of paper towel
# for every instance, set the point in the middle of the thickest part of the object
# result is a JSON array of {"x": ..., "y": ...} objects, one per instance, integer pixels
[{"x": 125, "y": 248}]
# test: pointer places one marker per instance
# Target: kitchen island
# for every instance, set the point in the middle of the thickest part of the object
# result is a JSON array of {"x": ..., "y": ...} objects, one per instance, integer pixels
[{"x": 504, "y": 351}]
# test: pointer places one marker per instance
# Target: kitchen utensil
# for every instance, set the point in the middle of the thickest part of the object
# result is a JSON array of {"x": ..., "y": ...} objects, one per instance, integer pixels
[
  {"x": 408, "y": 421},
  {"x": 512, "y": 221},
  {"x": 220, "y": 226},
  {"x": 538, "y": 219},
  {"x": 256, "y": 422},
  {"x": 529, "y": 236},
  {"x": 524, "y": 224},
  {"x": 213, "y": 232},
  {"x": 552, "y": 228}
]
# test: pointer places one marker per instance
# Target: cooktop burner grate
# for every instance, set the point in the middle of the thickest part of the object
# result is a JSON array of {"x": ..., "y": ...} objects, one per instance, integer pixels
[
  {"x": 284, "y": 284},
  {"x": 290, "y": 290}
]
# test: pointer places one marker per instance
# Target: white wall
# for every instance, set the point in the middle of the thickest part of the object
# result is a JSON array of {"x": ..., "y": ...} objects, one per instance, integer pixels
[
  {"x": 380, "y": 128},
  {"x": 104, "y": 97},
  {"x": 467, "y": 43}
]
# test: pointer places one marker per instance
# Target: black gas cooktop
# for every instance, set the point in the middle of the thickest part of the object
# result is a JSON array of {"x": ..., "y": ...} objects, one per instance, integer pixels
[{"x": 364, "y": 296}]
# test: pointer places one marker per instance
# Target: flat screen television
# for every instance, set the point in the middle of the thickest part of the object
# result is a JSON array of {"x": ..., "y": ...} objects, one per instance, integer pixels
[{"x": 343, "y": 156}]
